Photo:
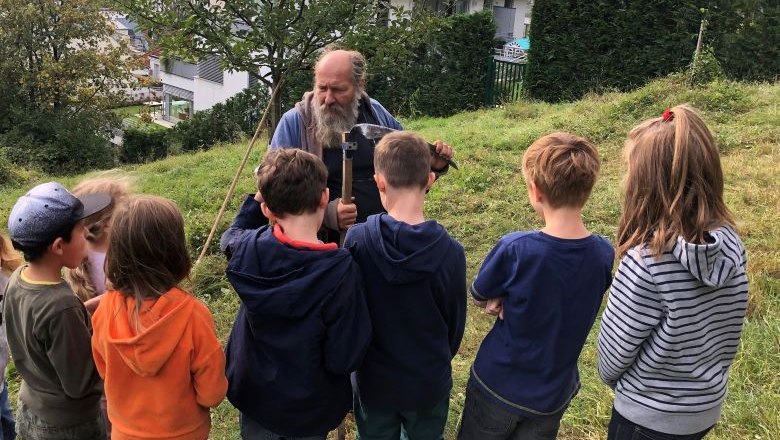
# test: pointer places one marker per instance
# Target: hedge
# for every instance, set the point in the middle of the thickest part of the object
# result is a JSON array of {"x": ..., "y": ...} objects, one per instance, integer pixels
[
  {"x": 601, "y": 45},
  {"x": 428, "y": 65},
  {"x": 144, "y": 143}
]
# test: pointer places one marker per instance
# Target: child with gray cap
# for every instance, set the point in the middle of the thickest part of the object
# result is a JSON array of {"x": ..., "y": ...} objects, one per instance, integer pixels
[{"x": 48, "y": 327}]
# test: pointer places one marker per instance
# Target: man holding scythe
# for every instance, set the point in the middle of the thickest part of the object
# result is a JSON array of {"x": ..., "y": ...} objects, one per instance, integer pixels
[{"x": 316, "y": 123}]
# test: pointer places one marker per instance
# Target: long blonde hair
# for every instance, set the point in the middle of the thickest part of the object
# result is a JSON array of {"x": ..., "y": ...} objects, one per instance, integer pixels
[
  {"x": 674, "y": 184},
  {"x": 116, "y": 186}
]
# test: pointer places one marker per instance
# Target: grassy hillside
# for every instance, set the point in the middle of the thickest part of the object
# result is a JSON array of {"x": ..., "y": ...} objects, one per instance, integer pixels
[{"x": 487, "y": 198}]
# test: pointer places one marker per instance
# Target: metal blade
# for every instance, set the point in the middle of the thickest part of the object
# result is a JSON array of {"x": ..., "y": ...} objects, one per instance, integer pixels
[
  {"x": 372, "y": 131},
  {"x": 376, "y": 132}
]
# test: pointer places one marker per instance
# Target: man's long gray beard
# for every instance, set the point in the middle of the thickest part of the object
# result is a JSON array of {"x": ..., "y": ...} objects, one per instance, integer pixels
[{"x": 334, "y": 121}]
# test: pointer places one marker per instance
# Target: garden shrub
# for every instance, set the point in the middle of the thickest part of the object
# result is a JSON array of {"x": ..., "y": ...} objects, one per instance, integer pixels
[
  {"x": 223, "y": 122},
  {"x": 60, "y": 143},
  {"x": 144, "y": 143}
]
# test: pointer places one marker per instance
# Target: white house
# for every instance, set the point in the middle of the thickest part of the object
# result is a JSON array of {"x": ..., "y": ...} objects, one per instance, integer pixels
[
  {"x": 188, "y": 87},
  {"x": 513, "y": 17}
]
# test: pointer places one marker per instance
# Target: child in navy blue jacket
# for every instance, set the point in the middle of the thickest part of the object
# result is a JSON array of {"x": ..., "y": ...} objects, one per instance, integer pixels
[
  {"x": 303, "y": 325},
  {"x": 546, "y": 287},
  {"x": 416, "y": 294}
]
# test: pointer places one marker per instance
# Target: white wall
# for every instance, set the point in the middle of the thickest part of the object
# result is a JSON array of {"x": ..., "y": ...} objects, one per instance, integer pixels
[
  {"x": 208, "y": 93},
  {"x": 177, "y": 81},
  {"x": 154, "y": 68}
]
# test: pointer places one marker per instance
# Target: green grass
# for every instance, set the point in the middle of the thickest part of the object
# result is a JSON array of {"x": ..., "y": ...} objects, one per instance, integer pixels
[
  {"x": 487, "y": 198},
  {"x": 131, "y": 110}
]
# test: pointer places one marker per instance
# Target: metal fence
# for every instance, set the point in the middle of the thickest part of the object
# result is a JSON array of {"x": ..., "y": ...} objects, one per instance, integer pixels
[{"x": 504, "y": 82}]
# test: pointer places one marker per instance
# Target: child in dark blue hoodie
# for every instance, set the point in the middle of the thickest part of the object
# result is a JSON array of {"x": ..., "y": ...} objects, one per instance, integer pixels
[
  {"x": 416, "y": 296},
  {"x": 303, "y": 325}
]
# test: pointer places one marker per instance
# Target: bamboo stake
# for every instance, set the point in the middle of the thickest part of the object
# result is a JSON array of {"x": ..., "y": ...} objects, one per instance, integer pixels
[{"x": 221, "y": 212}]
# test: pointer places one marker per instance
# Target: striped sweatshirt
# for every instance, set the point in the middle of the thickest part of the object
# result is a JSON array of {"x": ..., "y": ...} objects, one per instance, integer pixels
[{"x": 670, "y": 332}]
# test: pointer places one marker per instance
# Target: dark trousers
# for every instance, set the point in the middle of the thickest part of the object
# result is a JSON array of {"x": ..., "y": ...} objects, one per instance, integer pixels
[
  {"x": 384, "y": 424},
  {"x": 483, "y": 419},
  {"x": 621, "y": 428},
  {"x": 251, "y": 430}
]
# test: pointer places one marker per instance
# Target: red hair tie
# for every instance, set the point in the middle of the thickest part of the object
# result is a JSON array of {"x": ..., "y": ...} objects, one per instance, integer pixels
[{"x": 668, "y": 115}]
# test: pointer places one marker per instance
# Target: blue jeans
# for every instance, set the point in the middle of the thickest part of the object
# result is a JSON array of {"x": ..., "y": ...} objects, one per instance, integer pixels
[
  {"x": 7, "y": 424},
  {"x": 251, "y": 430},
  {"x": 621, "y": 428},
  {"x": 484, "y": 419}
]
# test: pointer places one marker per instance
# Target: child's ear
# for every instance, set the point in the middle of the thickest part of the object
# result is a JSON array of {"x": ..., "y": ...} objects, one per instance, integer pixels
[
  {"x": 56, "y": 246},
  {"x": 267, "y": 212},
  {"x": 325, "y": 198},
  {"x": 534, "y": 192},
  {"x": 431, "y": 179},
  {"x": 381, "y": 183}
]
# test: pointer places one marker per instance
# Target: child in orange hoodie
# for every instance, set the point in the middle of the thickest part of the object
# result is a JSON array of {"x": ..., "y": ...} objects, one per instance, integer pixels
[{"x": 154, "y": 344}]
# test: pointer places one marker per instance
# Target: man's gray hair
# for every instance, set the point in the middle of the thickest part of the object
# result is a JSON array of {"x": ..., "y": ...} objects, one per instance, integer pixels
[{"x": 358, "y": 64}]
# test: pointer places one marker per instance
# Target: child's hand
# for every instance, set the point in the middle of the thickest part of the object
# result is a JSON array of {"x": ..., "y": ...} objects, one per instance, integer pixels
[
  {"x": 92, "y": 304},
  {"x": 480, "y": 304},
  {"x": 495, "y": 307}
]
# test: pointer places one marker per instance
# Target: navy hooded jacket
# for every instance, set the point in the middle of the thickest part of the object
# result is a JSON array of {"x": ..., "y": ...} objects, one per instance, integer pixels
[
  {"x": 415, "y": 283},
  {"x": 302, "y": 327}
]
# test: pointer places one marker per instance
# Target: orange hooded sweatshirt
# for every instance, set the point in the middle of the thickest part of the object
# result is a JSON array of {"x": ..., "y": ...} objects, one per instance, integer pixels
[{"x": 160, "y": 381}]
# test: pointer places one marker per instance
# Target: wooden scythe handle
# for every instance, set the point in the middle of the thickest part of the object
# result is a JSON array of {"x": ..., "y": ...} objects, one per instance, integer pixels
[{"x": 346, "y": 182}]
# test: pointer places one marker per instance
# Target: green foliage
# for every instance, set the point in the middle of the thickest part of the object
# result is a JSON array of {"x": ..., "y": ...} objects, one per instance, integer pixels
[
  {"x": 144, "y": 143},
  {"x": 269, "y": 38},
  {"x": 705, "y": 67},
  {"x": 435, "y": 66},
  {"x": 624, "y": 45},
  {"x": 58, "y": 75},
  {"x": 746, "y": 35},
  {"x": 627, "y": 43},
  {"x": 60, "y": 143},
  {"x": 224, "y": 122}
]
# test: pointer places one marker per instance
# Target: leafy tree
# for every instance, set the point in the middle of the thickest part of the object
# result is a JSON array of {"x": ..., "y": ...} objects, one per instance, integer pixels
[
  {"x": 267, "y": 38},
  {"x": 59, "y": 71}
]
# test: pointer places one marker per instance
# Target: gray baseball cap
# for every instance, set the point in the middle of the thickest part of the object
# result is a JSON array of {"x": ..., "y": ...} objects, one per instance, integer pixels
[{"x": 46, "y": 210}]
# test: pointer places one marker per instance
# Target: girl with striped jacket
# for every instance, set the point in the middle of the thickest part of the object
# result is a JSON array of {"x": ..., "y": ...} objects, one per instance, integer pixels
[{"x": 676, "y": 306}]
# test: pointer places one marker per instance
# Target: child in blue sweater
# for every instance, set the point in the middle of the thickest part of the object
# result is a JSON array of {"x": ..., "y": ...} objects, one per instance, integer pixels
[
  {"x": 303, "y": 326},
  {"x": 416, "y": 293},
  {"x": 545, "y": 287}
]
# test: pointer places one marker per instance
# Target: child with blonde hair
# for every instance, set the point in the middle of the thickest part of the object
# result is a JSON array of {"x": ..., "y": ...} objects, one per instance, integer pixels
[
  {"x": 546, "y": 287},
  {"x": 676, "y": 307},
  {"x": 88, "y": 281},
  {"x": 10, "y": 260},
  {"x": 154, "y": 344}
]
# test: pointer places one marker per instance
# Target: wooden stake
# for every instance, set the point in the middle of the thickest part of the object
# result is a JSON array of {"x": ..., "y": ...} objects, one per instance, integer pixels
[{"x": 221, "y": 212}]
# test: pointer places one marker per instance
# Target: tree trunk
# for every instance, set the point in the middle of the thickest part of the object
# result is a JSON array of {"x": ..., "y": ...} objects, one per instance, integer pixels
[{"x": 276, "y": 108}]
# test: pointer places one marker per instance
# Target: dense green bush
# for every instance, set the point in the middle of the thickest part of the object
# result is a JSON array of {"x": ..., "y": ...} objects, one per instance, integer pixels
[
  {"x": 627, "y": 43},
  {"x": 428, "y": 65},
  {"x": 144, "y": 143},
  {"x": 223, "y": 122},
  {"x": 58, "y": 142},
  {"x": 746, "y": 37}
]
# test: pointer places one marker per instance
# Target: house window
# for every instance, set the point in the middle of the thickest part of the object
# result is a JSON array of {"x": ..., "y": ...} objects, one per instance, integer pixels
[{"x": 177, "y": 108}]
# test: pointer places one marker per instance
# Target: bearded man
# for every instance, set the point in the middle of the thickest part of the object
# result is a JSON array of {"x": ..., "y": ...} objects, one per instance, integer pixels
[{"x": 315, "y": 124}]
